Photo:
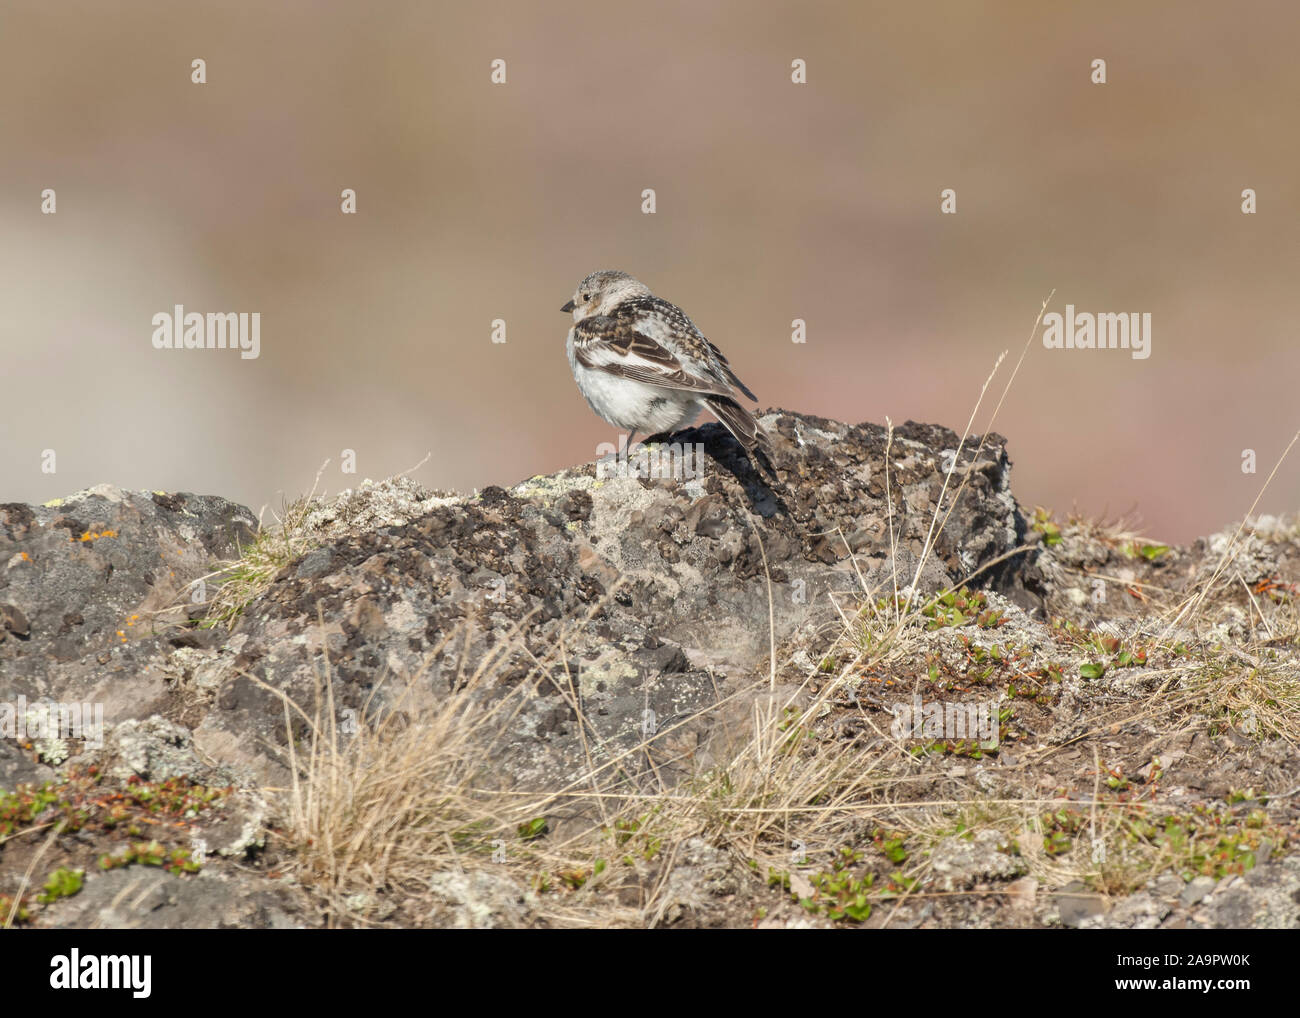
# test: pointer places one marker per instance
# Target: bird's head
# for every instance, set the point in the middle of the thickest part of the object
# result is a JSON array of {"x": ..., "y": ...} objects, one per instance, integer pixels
[{"x": 603, "y": 291}]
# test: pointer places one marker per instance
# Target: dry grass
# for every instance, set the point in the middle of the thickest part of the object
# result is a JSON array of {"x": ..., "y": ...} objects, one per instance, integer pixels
[{"x": 273, "y": 548}]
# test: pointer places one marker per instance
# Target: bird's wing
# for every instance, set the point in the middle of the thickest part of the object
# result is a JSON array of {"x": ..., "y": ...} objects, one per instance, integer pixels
[
  {"x": 731, "y": 375},
  {"x": 741, "y": 423},
  {"x": 686, "y": 337},
  {"x": 614, "y": 344},
  {"x": 662, "y": 320}
]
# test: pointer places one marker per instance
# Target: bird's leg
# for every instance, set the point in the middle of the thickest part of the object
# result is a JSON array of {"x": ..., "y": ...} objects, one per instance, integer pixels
[{"x": 630, "y": 436}]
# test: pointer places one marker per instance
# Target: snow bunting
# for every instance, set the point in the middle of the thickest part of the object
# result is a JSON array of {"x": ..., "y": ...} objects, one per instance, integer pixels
[{"x": 642, "y": 365}]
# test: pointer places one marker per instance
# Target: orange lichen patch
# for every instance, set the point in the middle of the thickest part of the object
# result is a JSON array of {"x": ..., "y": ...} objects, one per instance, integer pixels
[
  {"x": 1273, "y": 584},
  {"x": 23, "y": 555},
  {"x": 91, "y": 535},
  {"x": 130, "y": 622}
]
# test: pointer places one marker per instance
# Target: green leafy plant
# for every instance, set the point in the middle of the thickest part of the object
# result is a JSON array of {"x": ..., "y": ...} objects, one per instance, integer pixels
[
  {"x": 841, "y": 894},
  {"x": 62, "y": 883},
  {"x": 1043, "y": 524},
  {"x": 152, "y": 853},
  {"x": 533, "y": 829}
]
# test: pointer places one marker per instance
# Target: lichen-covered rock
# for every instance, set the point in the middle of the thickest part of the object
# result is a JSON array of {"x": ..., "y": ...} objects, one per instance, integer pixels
[
  {"x": 701, "y": 873},
  {"x": 592, "y": 628},
  {"x": 142, "y": 897},
  {"x": 479, "y": 900},
  {"x": 93, "y": 587},
  {"x": 961, "y": 862},
  {"x": 631, "y": 603}
]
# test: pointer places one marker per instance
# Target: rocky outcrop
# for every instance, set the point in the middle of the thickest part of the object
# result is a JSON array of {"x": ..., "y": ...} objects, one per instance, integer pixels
[
  {"x": 95, "y": 595},
  {"x": 601, "y": 604},
  {"x": 633, "y": 594}
]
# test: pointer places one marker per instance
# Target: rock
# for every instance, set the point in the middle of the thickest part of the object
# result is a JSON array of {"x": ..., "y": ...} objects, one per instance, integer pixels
[
  {"x": 580, "y": 630},
  {"x": 89, "y": 583},
  {"x": 960, "y": 862},
  {"x": 1268, "y": 897},
  {"x": 155, "y": 749},
  {"x": 702, "y": 872},
  {"x": 370, "y": 907},
  {"x": 1136, "y": 912},
  {"x": 479, "y": 900},
  {"x": 140, "y": 897},
  {"x": 675, "y": 571},
  {"x": 12, "y": 620},
  {"x": 1023, "y": 895},
  {"x": 1197, "y": 889},
  {"x": 19, "y": 767},
  {"x": 1076, "y": 903}
]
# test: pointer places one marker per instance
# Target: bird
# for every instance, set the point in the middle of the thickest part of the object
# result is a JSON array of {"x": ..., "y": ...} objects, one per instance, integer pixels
[{"x": 643, "y": 366}]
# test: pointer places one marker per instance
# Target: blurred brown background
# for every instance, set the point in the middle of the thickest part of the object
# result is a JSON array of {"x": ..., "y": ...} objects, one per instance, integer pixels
[{"x": 775, "y": 201}]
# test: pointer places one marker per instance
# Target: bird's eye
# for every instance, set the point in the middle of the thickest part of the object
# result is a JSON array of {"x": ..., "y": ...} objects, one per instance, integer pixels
[{"x": 586, "y": 297}]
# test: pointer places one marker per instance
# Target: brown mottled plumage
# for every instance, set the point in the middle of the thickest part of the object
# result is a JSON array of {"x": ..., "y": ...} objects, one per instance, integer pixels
[{"x": 642, "y": 365}]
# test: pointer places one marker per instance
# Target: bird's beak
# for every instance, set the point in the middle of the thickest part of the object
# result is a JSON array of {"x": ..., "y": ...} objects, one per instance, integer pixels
[{"x": 567, "y": 307}]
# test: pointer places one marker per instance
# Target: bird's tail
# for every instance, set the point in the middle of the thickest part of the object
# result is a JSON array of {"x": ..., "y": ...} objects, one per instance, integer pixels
[{"x": 745, "y": 427}]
